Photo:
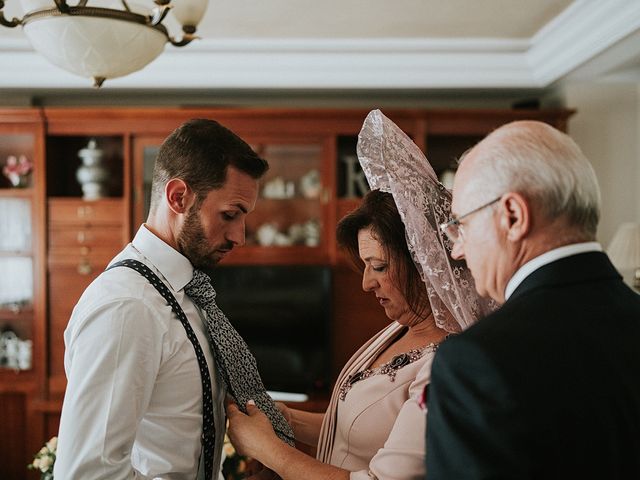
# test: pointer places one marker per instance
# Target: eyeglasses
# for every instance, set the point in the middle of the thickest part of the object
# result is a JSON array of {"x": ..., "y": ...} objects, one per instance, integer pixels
[{"x": 453, "y": 228}]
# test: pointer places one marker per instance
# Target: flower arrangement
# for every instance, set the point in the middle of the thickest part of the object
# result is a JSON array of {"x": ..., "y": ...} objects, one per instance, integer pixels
[
  {"x": 234, "y": 465},
  {"x": 17, "y": 169},
  {"x": 43, "y": 460}
]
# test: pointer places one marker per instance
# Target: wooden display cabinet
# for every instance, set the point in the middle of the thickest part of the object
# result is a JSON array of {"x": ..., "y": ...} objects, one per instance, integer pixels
[
  {"x": 22, "y": 286},
  {"x": 83, "y": 237},
  {"x": 289, "y": 223},
  {"x": 72, "y": 239},
  {"x": 84, "y": 234}
]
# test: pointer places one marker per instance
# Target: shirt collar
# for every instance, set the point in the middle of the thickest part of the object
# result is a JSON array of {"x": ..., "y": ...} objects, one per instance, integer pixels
[
  {"x": 174, "y": 266},
  {"x": 551, "y": 256}
]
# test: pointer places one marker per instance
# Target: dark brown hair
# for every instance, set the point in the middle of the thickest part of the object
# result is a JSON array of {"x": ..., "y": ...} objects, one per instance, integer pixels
[
  {"x": 378, "y": 211},
  {"x": 200, "y": 152}
]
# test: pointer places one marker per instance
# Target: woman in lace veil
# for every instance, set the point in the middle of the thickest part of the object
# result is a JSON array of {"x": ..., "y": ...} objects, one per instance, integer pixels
[
  {"x": 393, "y": 163},
  {"x": 374, "y": 427}
]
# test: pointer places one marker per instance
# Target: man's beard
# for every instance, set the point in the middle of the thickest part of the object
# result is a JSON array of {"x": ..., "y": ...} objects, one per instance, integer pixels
[{"x": 193, "y": 244}]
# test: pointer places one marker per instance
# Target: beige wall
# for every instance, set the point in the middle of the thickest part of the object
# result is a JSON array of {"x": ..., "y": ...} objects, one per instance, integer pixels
[{"x": 607, "y": 128}]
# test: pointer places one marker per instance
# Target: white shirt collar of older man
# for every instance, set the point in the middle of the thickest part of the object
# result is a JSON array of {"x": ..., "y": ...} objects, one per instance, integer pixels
[
  {"x": 174, "y": 266},
  {"x": 546, "y": 258}
]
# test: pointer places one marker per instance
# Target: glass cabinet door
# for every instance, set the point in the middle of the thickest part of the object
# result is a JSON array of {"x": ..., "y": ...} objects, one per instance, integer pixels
[
  {"x": 16, "y": 250},
  {"x": 289, "y": 209},
  {"x": 144, "y": 159}
]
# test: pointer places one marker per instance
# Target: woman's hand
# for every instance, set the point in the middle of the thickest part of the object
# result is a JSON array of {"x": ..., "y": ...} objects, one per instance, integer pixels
[
  {"x": 250, "y": 434},
  {"x": 253, "y": 435}
]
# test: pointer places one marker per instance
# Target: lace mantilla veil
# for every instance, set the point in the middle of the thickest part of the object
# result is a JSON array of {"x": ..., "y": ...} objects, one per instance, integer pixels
[{"x": 393, "y": 163}]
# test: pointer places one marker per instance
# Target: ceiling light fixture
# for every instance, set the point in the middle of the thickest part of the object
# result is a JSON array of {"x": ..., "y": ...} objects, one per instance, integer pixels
[{"x": 111, "y": 40}]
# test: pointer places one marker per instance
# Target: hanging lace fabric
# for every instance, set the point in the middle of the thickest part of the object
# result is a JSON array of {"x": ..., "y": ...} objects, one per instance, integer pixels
[{"x": 394, "y": 164}]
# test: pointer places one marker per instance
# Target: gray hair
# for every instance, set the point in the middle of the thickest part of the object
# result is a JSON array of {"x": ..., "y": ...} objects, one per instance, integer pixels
[{"x": 547, "y": 167}]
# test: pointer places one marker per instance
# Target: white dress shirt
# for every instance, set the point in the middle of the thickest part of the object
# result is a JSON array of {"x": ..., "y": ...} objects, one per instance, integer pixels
[
  {"x": 546, "y": 258},
  {"x": 133, "y": 404}
]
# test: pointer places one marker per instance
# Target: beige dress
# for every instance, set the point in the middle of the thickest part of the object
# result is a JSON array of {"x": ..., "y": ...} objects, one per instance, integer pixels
[{"x": 374, "y": 427}]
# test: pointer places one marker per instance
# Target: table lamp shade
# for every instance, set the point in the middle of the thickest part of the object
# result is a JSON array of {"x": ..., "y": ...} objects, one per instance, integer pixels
[{"x": 624, "y": 250}]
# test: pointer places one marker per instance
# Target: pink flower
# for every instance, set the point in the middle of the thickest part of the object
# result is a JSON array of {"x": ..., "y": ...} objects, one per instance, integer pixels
[{"x": 17, "y": 165}]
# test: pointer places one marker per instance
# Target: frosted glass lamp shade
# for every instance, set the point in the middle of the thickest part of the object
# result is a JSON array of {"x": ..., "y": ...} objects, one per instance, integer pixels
[
  {"x": 107, "y": 39},
  {"x": 95, "y": 47},
  {"x": 189, "y": 12}
]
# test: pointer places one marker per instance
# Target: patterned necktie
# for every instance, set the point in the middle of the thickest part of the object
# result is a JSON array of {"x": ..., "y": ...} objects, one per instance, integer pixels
[{"x": 236, "y": 365}]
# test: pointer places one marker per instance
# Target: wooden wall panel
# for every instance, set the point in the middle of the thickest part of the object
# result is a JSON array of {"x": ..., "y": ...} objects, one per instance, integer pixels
[{"x": 13, "y": 438}]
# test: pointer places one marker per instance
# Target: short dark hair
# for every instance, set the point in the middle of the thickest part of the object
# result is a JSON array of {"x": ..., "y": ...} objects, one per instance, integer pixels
[
  {"x": 378, "y": 211},
  {"x": 199, "y": 152}
]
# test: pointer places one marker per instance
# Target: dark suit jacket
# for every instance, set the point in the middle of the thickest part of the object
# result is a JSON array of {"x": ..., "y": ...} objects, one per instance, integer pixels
[{"x": 546, "y": 387}]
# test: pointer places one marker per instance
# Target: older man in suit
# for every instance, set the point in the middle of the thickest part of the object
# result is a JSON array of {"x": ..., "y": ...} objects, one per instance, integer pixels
[{"x": 548, "y": 386}]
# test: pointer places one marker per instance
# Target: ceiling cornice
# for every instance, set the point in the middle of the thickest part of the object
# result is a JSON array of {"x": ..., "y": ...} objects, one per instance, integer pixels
[{"x": 578, "y": 34}]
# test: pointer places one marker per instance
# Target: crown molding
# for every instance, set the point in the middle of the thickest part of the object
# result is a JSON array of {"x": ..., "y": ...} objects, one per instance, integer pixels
[
  {"x": 359, "y": 64},
  {"x": 300, "y": 64},
  {"x": 580, "y": 33},
  {"x": 584, "y": 30}
]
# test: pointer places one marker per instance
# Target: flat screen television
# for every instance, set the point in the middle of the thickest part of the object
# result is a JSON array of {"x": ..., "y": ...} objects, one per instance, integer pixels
[{"x": 283, "y": 313}]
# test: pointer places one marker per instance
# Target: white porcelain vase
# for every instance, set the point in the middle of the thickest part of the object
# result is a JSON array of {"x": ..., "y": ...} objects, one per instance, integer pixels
[{"x": 92, "y": 175}]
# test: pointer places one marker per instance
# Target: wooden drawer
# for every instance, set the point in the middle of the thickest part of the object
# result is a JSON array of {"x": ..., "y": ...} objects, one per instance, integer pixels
[
  {"x": 74, "y": 211},
  {"x": 79, "y": 236},
  {"x": 85, "y": 260},
  {"x": 65, "y": 288}
]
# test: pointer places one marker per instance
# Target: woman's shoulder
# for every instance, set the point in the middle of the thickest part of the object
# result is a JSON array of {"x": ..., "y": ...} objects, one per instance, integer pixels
[{"x": 423, "y": 375}]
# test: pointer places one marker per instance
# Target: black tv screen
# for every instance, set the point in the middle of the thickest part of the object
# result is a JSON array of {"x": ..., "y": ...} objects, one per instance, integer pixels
[{"x": 283, "y": 313}]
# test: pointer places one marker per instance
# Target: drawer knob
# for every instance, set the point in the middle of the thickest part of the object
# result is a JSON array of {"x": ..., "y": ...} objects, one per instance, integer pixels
[
  {"x": 84, "y": 212},
  {"x": 84, "y": 267}
]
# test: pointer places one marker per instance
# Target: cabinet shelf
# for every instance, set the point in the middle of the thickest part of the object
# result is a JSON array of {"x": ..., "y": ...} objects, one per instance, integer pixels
[
  {"x": 12, "y": 372},
  {"x": 16, "y": 192},
  {"x": 21, "y": 313},
  {"x": 15, "y": 253},
  {"x": 12, "y": 380},
  {"x": 292, "y": 255},
  {"x": 295, "y": 198}
]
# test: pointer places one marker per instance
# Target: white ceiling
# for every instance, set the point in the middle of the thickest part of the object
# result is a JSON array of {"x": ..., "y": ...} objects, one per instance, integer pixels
[
  {"x": 370, "y": 19},
  {"x": 372, "y": 44}
]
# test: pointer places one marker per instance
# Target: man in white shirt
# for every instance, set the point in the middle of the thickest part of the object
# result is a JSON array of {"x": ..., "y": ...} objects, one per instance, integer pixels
[
  {"x": 133, "y": 407},
  {"x": 547, "y": 386}
]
